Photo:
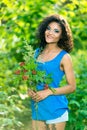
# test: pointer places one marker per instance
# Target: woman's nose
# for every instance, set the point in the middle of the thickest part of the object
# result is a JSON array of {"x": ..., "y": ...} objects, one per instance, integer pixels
[{"x": 51, "y": 31}]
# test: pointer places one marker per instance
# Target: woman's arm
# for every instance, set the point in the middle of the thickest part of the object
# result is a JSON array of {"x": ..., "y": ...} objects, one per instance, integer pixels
[{"x": 66, "y": 66}]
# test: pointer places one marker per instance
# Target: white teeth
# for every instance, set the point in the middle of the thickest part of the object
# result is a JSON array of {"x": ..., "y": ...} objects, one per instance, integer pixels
[{"x": 49, "y": 36}]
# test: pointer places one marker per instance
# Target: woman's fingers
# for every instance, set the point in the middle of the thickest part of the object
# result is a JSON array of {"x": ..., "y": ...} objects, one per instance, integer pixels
[
  {"x": 36, "y": 97},
  {"x": 31, "y": 93}
]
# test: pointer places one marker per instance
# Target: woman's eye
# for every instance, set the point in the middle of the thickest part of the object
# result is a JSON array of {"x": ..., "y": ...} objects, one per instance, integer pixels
[
  {"x": 48, "y": 28},
  {"x": 57, "y": 31},
  {"x": 54, "y": 30}
]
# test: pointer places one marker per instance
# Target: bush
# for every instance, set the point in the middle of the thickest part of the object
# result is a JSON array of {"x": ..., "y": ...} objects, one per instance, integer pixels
[{"x": 78, "y": 100}]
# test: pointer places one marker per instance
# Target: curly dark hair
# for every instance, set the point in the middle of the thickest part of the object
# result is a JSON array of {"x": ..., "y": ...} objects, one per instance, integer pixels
[{"x": 66, "y": 41}]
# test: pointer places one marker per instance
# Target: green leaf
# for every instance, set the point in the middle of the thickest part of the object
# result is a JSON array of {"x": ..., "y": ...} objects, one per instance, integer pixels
[{"x": 73, "y": 102}]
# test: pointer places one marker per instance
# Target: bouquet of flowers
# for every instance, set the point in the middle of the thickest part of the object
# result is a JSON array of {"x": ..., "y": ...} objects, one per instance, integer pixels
[{"x": 26, "y": 72}]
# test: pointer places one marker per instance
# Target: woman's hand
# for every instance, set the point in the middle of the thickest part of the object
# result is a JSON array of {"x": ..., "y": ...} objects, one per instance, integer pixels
[
  {"x": 40, "y": 95},
  {"x": 31, "y": 93}
]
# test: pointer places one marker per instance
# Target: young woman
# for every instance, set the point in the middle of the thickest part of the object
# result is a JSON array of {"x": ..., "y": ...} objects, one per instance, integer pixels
[{"x": 52, "y": 56}]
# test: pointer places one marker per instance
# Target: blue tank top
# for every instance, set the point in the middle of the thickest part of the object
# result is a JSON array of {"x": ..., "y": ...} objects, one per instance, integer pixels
[{"x": 54, "y": 105}]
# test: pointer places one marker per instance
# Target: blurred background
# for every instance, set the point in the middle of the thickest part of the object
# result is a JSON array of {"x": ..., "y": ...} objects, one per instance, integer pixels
[{"x": 19, "y": 20}]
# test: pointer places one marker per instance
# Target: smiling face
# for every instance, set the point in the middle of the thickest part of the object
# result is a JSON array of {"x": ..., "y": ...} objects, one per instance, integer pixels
[{"x": 53, "y": 33}]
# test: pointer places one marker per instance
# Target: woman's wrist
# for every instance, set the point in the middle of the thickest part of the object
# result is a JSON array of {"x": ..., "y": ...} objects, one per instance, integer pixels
[{"x": 49, "y": 92}]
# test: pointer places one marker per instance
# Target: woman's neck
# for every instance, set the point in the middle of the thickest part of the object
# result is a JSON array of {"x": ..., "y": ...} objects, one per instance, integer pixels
[{"x": 51, "y": 48}]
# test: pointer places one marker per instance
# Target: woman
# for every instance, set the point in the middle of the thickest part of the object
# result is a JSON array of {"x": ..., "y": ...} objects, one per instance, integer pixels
[{"x": 52, "y": 56}]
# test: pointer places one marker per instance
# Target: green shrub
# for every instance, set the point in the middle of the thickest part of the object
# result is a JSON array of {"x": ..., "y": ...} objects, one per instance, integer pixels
[{"x": 78, "y": 100}]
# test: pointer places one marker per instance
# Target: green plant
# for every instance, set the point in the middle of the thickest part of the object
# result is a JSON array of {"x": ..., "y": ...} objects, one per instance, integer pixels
[
  {"x": 27, "y": 72},
  {"x": 78, "y": 100}
]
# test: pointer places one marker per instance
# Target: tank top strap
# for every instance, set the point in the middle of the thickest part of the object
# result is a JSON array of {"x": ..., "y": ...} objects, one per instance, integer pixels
[
  {"x": 37, "y": 51},
  {"x": 60, "y": 56}
]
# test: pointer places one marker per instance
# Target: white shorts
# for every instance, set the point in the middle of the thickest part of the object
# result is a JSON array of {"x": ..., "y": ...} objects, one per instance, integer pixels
[{"x": 62, "y": 118}]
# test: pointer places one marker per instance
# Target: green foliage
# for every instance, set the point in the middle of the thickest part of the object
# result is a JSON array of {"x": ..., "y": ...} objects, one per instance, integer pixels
[
  {"x": 18, "y": 22},
  {"x": 19, "y": 19},
  {"x": 8, "y": 108},
  {"x": 27, "y": 72},
  {"x": 78, "y": 100}
]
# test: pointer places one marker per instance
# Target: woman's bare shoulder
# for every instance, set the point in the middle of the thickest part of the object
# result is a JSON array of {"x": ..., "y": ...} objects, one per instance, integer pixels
[{"x": 66, "y": 59}]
